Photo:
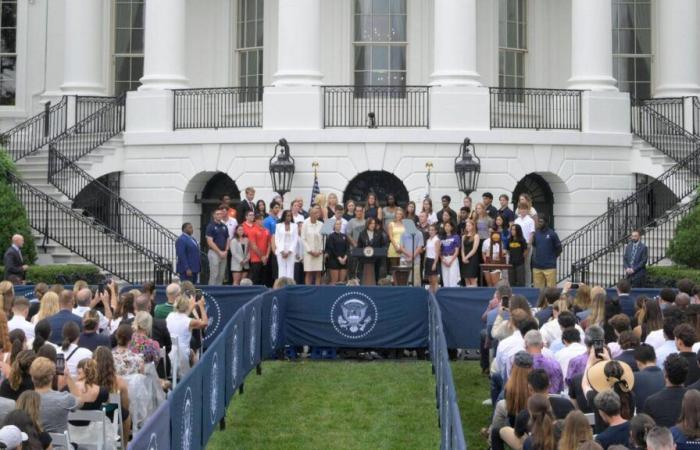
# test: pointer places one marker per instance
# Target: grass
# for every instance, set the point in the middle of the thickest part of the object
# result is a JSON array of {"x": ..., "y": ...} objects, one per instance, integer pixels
[{"x": 348, "y": 405}]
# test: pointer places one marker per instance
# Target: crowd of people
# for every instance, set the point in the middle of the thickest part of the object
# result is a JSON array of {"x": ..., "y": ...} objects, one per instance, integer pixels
[
  {"x": 437, "y": 247},
  {"x": 585, "y": 370},
  {"x": 65, "y": 350}
]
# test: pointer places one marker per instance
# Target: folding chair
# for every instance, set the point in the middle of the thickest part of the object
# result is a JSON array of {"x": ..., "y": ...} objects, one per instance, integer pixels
[
  {"x": 591, "y": 418},
  {"x": 115, "y": 398},
  {"x": 175, "y": 364},
  {"x": 93, "y": 416},
  {"x": 61, "y": 441}
]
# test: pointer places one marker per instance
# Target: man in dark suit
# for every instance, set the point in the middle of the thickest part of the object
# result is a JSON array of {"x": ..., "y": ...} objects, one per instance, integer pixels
[
  {"x": 63, "y": 316},
  {"x": 665, "y": 406},
  {"x": 623, "y": 297},
  {"x": 628, "y": 344},
  {"x": 247, "y": 204},
  {"x": 13, "y": 259},
  {"x": 188, "y": 255},
  {"x": 446, "y": 200},
  {"x": 650, "y": 378},
  {"x": 635, "y": 260}
]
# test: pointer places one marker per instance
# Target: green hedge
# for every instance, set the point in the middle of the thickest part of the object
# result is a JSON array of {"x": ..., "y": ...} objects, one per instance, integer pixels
[
  {"x": 685, "y": 246},
  {"x": 13, "y": 219},
  {"x": 660, "y": 276},
  {"x": 62, "y": 273}
]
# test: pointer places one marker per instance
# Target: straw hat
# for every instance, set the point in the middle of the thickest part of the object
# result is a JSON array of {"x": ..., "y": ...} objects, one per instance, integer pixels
[{"x": 600, "y": 381}]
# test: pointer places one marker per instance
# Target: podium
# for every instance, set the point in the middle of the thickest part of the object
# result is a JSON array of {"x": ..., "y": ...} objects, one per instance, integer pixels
[
  {"x": 487, "y": 267},
  {"x": 368, "y": 263}
]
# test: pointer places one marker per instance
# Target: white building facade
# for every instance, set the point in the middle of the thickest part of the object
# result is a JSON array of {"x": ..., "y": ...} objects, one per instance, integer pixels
[{"x": 312, "y": 71}]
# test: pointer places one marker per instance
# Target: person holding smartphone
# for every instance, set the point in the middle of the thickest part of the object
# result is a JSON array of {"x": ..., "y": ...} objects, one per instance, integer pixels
[{"x": 55, "y": 405}]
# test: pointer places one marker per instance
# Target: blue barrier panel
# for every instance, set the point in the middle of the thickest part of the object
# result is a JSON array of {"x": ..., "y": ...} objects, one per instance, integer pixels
[
  {"x": 222, "y": 304},
  {"x": 235, "y": 334},
  {"x": 378, "y": 317},
  {"x": 274, "y": 306},
  {"x": 251, "y": 341},
  {"x": 155, "y": 433},
  {"x": 186, "y": 412},
  {"x": 213, "y": 366}
]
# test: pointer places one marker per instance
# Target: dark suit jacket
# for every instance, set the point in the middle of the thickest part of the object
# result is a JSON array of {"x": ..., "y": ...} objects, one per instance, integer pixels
[
  {"x": 626, "y": 305},
  {"x": 187, "y": 251},
  {"x": 242, "y": 210},
  {"x": 639, "y": 263},
  {"x": 379, "y": 240},
  {"x": 628, "y": 357},
  {"x": 665, "y": 406},
  {"x": 13, "y": 263},
  {"x": 58, "y": 320},
  {"x": 647, "y": 382}
]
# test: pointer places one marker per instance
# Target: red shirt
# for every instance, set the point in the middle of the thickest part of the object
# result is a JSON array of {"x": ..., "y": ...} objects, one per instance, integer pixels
[{"x": 261, "y": 237}]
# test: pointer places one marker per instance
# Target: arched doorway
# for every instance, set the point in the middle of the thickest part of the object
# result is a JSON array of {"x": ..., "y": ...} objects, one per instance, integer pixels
[
  {"x": 541, "y": 193},
  {"x": 96, "y": 202},
  {"x": 658, "y": 200},
  {"x": 218, "y": 185},
  {"x": 380, "y": 182}
]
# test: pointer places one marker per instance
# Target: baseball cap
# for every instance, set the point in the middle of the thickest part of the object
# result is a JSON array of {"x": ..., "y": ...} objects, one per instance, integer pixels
[{"x": 12, "y": 437}]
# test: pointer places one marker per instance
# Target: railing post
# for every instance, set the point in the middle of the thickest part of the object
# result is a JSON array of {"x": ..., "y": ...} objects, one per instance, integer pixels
[{"x": 47, "y": 122}]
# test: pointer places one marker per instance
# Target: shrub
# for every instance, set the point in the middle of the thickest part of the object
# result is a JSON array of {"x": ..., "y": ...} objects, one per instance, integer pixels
[
  {"x": 685, "y": 246},
  {"x": 63, "y": 274},
  {"x": 667, "y": 276},
  {"x": 13, "y": 219}
]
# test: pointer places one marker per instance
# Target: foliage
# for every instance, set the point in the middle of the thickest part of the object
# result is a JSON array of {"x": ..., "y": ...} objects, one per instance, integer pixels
[
  {"x": 334, "y": 405},
  {"x": 685, "y": 246},
  {"x": 13, "y": 219},
  {"x": 63, "y": 274},
  {"x": 667, "y": 276}
]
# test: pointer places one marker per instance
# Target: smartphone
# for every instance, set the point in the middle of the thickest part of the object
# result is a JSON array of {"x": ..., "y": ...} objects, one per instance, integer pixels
[
  {"x": 505, "y": 301},
  {"x": 574, "y": 286},
  {"x": 60, "y": 364},
  {"x": 198, "y": 294},
  {"x": 100, "y": 288},
  {"x": 598, "y": 346}
]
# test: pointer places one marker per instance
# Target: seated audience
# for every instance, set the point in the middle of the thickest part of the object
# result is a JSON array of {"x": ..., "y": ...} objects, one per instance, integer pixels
[
  {"x": 35, "y": 438},
  {"x": 91, "y": 338},
  {"x": 639, "y": 427},
  {"x": 650, "y": 323},
  {"x": 70, "y": 349},
  {"x": 141, "y": 343},
  {"x": 538, "y": 383},
  {"x": 47, "y": 308},
  {"x": 534, "y": 428},
  {"x": 62, "y": 317},
  {"x": 665, "y": 406},
  {"x": 617, "y": 432},
  {"x": 30, "y": 403},
  {"x": 515, "y": 398},
  {"x": 534, "y": 345},
  {"x": 660, "y": 438},
  {"x": 575, "y": 432},
  {"x": 685, "y": 338},
  {"x": 126, "y": 362},
  {"x": 551, "y": 295},
  {"x": 180, "y": 325},
  {"x": 20, "y": 310},
  {"x": 619, "y": 323},
  {"x": 687, "y": 429},
  {"x": 565, "y": 320},
  {"x": 577, "y": 365},
  {"x": 628, "y": 344},
  {"x": 107, "y": 378},
  {"x": 623, "y": 297},
  {"x": 55, "y": 405},
  {"x": 42, "y": 333},
  {"x": 85, "y": 302},
  {"x": 672, "y": 318},
  {"x": 20, "y": 380},
  {"x": 602, "y": 374}
]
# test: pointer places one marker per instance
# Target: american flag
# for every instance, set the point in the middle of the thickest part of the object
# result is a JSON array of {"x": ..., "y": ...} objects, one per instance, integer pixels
[{"x": 315, "y": 189}]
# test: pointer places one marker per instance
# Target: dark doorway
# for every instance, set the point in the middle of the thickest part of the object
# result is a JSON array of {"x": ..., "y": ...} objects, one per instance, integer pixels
[
  {"x": 96, "y": 200},
  {"x": 658, "y": 199},
  {"x": 540, "y": 192},
  {"x": 378, "y": 181},
  {"x": 217, "y": 186}
]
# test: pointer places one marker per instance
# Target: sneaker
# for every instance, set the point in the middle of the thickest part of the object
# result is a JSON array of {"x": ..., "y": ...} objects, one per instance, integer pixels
[{"x": 487, "y": 402}]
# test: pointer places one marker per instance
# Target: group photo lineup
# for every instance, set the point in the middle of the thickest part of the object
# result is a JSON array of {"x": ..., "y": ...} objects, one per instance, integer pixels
[{"x": 350, "y": 224}]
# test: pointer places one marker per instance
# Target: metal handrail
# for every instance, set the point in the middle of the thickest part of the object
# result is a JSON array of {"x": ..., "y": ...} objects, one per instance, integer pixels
[
  {"x": 37, "y": 131},
  {"x": 610, "y": 229},
  {"x": 696, "y": 116},
  {"x": 671, "y": 108},
  {"x": 49, "y": 216},
  {"x": 668, "y": 135},
  {"x": 376, "y": 106},
  {"x": 224, "y": 107},
  {"x": 539, "y": 109}
]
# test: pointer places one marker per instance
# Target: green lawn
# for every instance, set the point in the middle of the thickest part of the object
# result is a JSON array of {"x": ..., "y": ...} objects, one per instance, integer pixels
[{"x": 348, "y": 405}]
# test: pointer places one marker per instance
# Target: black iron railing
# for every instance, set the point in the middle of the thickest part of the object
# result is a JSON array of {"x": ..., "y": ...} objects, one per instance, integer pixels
[
  {"x": 539, "y": 109},
  {"x": 605, "y": 268},
  {"x": 82, "y": 236},
  {"x": 35, "y": 132},
  {"x": 639, "y": 210},
  {"x": 667, "y": 135},
  {"x": 696, "y": 116},
  {"x": 234, "y": 107},
  {"x": 131, "y": 225},
  {"x": 671, "y": 108},
  {"x": 376, "y": 106},
  {"x": 86, "y": 106}
]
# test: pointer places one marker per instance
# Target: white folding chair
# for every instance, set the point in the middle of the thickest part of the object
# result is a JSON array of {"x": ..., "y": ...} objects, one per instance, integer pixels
[
  {"x": 591, "y": 418},
  {"x": 176, "y": 357},
  {"x": 60, "y": 441},
  {"x": 115, "y": 398},
  {"x": 93, "y": 416}
]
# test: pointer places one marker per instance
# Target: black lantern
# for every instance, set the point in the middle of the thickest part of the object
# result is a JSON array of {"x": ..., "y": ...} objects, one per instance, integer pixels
[
  {"x": 282, "y": 168},
  {"x": 467, "y": 168}
]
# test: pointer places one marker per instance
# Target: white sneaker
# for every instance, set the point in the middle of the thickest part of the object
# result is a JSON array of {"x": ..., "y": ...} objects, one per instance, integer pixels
[{"x": 487, "y": 402}]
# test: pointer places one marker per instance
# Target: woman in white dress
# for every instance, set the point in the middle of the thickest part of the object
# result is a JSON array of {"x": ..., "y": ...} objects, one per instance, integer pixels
[
  {"x": 180, "y": 326},
  {"x": 286, "y": 238},
  {"x": 313, "y": 247}
]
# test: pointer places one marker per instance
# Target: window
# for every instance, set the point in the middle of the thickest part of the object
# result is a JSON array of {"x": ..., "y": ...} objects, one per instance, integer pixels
[
  {"x": 512, "y": 42},
  {"x": 8, "y": 52},
  {"x": 631, "y": 43},
  {"x": 249, "y": 46},
  {"x": 128, "y": 45},
  {"x": 380, "y": 42}
]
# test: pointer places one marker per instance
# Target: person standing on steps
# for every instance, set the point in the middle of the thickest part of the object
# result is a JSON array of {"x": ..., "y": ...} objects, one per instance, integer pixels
[
  {"x": 187, "y": 250},
  {"x": 635, "y": 259}
]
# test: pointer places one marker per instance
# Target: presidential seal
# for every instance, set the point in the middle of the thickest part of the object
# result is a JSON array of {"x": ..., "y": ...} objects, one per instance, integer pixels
[
  {"x": 214, "y": 314},
  {"x": 274, "y": 323},
  {"x": 214, "y": 398},
  {"x": 153, "y": 442},
  {"x": 368, "y": 252},
  {"x": 234, "y": 357},
  {"x": 187, "y": 421},
  {"x": 252, "y": 336},
  {"x": 354, "y": 315}
]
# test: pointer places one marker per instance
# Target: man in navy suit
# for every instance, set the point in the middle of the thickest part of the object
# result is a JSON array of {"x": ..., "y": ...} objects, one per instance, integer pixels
[
  {"x": 13, "y": 259},
  {"x": 635, "y": 260},
  {"x": 188, "y": 254}
]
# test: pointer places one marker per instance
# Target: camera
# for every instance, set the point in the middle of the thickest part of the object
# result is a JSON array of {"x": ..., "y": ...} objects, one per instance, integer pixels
[
  {"x": 598, "y": 346},
  {"x": 60, "y": 364}
]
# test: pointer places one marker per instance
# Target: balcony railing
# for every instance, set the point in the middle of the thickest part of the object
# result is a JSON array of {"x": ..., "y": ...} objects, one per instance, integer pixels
[
  {"x": 376, "y": 106},
  {"x": 672, "y": 108},
  {"x": 35, "y": 132},
  {"x": 232, "y": 107},
  {"x": 696, "y": 116},
  {"x": 539, "y": 109}
]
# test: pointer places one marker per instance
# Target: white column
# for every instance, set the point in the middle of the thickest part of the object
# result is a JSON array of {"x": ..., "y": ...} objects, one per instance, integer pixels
[
  {"x": 164, "y": 47},
  {"x": 298, "y": 43},
  {"x": 455, "y": 43},
  {"x": 591, "y": 45},
  {"x": 677, "y": 55},
  {"x": 82, "y": 70}
]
